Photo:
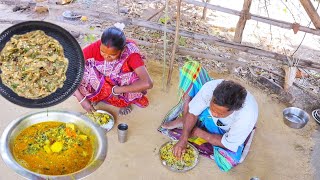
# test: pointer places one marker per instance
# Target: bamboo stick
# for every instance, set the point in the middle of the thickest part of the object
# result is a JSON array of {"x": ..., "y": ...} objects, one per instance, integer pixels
[
  {"x": 176, "y": 40},
  {"x": 165, "y": 43}
]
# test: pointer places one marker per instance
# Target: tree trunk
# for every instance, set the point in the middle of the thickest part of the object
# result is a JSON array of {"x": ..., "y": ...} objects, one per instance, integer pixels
[
  {"x": 242, "y": 21},
  {"x": 312, "y": 13},
  {"x": 204, "y": 13}
]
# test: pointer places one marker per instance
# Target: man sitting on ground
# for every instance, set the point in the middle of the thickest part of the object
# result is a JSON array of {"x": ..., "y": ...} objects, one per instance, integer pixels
[{"x": 221, "y": 112}]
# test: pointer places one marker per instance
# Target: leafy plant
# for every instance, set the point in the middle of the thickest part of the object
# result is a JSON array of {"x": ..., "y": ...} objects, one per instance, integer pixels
[
  {"x": 89, "y": 38},
  {"x": 155, "y": 35},
  {"x": 163, "y": 20},
  {"x": 182, "y": 41},
  {"x": 189, "y": 58}
]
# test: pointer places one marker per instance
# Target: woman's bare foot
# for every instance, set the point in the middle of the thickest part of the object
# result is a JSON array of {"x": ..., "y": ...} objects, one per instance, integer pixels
[
  {"x": 125, "y": 110},
  {"x": 178, "y": 123}
]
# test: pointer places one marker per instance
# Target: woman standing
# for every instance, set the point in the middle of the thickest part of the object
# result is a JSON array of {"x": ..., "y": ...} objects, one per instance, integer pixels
[{"x": 115, "y": 73}]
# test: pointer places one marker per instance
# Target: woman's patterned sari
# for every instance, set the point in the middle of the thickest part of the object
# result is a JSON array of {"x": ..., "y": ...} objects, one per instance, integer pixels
[{"x": 101, "y": 76}]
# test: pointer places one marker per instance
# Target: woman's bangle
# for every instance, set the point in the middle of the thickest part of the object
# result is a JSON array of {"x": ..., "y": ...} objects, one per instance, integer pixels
[
  {"x": 84, "y": 98},
  {"x": 112, "y": 90}
]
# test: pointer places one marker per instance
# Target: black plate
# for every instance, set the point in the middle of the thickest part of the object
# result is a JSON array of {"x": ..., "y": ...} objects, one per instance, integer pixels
[
  {"x": 316, "y": 116},
  {"x": 72, "y": 51}
]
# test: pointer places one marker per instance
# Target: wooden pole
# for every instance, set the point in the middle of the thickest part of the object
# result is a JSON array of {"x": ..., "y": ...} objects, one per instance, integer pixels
[
  {"x": 204, "y": 13},
  {"x": 312, "y": 13},
  {"x": 266, "y": 20},
  {"x": 176, "y": 40},
  {"x": 245, "y": 14},
  {"x": 165, "y": 43}
]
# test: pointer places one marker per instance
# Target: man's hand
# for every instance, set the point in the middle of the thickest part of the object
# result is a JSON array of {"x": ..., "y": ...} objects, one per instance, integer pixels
[
  {"x": 179, "y": 148},
  {"x": 86, "y": 104},
  {"x": 189, "y": 123}
]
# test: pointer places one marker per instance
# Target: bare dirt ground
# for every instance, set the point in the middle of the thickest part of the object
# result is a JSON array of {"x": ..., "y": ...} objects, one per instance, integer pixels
[{"x": 278, "y": 152}]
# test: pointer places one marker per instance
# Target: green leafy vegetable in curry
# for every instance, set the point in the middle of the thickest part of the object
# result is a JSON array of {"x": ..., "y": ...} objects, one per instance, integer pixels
[
  {"x": 33, "y": 65},
  {"x": 53, "y": 148}
]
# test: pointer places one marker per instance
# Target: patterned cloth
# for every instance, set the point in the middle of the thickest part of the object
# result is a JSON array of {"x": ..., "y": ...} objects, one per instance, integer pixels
[
  {"x": 192, "y": 75},
  {"x": 192, "y": 78},
  {"x": 101, "y": 76}
]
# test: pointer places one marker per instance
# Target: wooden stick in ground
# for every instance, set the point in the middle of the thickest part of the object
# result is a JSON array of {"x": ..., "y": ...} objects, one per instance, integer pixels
[
  {"x": 118, "y": 6},
  {"x": 242, "y": 21},
  {"x": 176, "y": 40},
  {"x": 204, "y": 13},
  {"x": 165, "y": 43},
  {"x": 290, "y": 75},
  {"x": 311, "y": 11}
]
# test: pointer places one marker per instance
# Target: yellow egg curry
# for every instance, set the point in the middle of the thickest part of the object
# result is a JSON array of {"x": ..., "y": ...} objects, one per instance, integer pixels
[{"x": 53, "y": 148}]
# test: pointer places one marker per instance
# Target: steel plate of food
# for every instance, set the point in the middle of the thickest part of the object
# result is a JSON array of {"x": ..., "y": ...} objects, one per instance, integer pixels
[
  {"x": 103, "y": 118},
  {"x": 187, "y": 162}
]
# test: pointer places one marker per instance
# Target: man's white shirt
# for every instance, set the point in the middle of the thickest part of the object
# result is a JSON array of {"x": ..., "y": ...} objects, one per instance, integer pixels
[{"x": 238, "y": 125}]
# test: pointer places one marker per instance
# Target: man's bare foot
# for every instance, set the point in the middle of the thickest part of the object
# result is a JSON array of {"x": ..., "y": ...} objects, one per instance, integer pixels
[
  {"x": 178, "y": 123},
  {"x": 125, "y": 110}
]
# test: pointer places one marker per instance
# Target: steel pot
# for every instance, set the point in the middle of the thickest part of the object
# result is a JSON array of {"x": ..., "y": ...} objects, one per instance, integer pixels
[{"x": 82, "y": 122}]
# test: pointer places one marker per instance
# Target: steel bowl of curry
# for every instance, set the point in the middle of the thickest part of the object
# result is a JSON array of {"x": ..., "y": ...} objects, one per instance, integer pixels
[{"x": 53, "y": 145}]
